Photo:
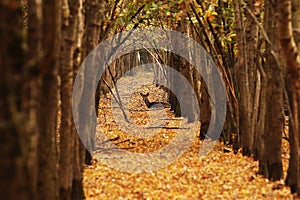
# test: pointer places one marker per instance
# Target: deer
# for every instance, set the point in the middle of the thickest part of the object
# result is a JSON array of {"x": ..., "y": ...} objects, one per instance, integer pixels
[{"x": 152, "y": 104}]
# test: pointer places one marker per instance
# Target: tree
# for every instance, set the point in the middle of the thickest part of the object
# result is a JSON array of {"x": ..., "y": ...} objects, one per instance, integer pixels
[
  {"x": 18, "y": 108},
  {"x": 93, "y": 19},
  {"x": 274, "y": 116},
  {"x": 70, "y": 166},
  {"x": 29, "y": 100},
  {"x": 292, "y": 81}
]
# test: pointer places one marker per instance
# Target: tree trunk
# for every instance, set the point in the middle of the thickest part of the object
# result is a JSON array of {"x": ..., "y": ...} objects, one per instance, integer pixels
[
  {"x": 79, "y": 149},
  {"x": 251, "y": 52},
  {"x": 93, "y": 19},
  {"x": 259, "y": 148},
  {"x": 205, "y": 105},
  {"x": 187, "y": 71},
  {"x": 17, "y": 104},
  {"x": 292, "y": 80},
  {"x": 70, "y": 24},
  {"x": 274, "y": 117},
  {"x": 47, "y": 111},
  {"x": 243, "y": 84},
  {"x": 173, "y": 99}
]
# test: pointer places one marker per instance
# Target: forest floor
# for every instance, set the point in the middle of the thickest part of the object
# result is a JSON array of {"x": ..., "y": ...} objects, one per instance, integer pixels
[{"x": 218, "y": 175}]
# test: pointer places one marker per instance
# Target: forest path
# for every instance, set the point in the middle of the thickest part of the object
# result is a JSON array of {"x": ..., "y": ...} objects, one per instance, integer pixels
[{"x": 217, "y": 175}]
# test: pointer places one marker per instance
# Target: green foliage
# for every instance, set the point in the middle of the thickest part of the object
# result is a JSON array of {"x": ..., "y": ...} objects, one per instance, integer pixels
[
  {"x": 215, "y": 13},
  {"x": 154, "y": 13}
]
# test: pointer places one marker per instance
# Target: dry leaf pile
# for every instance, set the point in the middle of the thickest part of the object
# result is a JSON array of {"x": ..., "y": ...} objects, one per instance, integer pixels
[{"x": 218, "y": 175}]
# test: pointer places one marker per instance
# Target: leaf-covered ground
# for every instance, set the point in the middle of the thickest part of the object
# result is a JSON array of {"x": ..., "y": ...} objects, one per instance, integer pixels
[{"x": 217, "y": 175}]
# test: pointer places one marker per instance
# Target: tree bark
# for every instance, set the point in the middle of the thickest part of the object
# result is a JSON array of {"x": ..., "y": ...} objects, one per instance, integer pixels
[
  {"x": 292, "y": 80},
  {"x": 18, "y": 125},
  {"x": 187, "y": 71},
  {"x": 251, "y": 31},
  {"x": 274, "y": 116},
  {"x": 70, "y": 24},
  {"x": 93, "y": 19},
  {"x": 243, "y": 84},
  {"x": 47, "y": 110}
]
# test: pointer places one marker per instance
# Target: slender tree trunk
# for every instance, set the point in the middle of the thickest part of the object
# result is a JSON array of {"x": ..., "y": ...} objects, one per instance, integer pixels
[
  {"x": 93, "y": 19},
  {"x": 205, "y": 103},
  {"x": 292, "y": 80},
  {"x": 251, "y": 51},
  {"x": 296, "y": 33},
  {"x": 174, "y": 63},
  {"x": 186, "y": 70},
  {"x": 243, "y": 84},
  {"x": 259, "y": 149},
  {"x": 47, "y": 111},
  {"x": 17, "y": 104},
  {"x": 79, "y": 149},
  {"x": 70, "y": 24},
  {"x": 247, "y": 71},
  {"x": 274, "y": 117},
  {"x": 34, "y": 57}
]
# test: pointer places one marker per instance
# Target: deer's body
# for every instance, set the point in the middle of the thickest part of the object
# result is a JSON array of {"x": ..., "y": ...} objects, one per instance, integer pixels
[{"x": 151, "y": 104}]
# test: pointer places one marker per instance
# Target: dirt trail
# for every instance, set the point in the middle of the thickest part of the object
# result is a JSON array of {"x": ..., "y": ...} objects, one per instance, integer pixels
[{"x": 217, "y": 175}]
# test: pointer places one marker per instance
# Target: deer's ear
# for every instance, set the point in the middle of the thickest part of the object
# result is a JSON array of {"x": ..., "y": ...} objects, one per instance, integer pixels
[
  {"x": 141, "y": 94},
  {"x": 147, "y": 94}
]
